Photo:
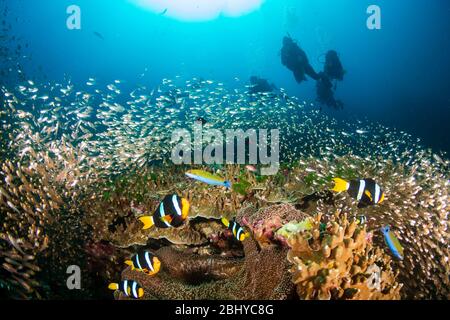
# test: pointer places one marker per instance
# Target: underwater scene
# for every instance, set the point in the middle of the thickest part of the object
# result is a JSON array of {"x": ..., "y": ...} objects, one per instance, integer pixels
[{"x": 224, "y": 149}]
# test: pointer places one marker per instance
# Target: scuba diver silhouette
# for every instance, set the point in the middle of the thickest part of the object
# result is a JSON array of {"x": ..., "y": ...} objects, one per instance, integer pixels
[{"x": 296, "y": 60}]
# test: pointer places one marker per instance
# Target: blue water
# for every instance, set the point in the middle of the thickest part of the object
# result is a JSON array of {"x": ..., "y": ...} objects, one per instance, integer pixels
[{"x": 398, "y": 75}]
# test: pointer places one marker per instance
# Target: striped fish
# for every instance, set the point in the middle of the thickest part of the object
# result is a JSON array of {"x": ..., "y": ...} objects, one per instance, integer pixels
[
  {"x": 392, "y": 242},
  {"x": 208, "y": 178},
  {"x": 365, "y": 191},
  {"x": 146, "y": 262},
  {"x": 238, "y": 232},
  {"x": 171, "y": 212},
  {"x": 129, "y": 287},
  {"x": 361, "y": 219}
]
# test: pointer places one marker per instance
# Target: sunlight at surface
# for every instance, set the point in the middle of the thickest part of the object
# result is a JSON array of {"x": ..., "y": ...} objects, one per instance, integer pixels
[{"x": 200, "y": 10}]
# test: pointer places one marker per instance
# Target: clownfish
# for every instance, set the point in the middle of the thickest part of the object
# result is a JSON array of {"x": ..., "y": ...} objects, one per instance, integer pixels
[
  {"x": 129, "y": 287},
  {"x": 171, "y": 212},
  {"x": 365, "y": 191},
  {"x": 238, "y": 231},
  {"x": 146, "y": 262},
  {"x": 361, "y": 219},
  {"x": 392, "y": 242},
  {"x": 208, "y": 178}
]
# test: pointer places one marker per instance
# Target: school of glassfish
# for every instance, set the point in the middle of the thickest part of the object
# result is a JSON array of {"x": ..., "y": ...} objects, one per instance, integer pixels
[{"x": 62, "y": 144}]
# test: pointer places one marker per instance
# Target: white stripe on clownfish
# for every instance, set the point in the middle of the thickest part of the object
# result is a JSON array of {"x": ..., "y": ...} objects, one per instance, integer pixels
[
  {"x": 149, "y": 263},
  {"x": 175, "y": 204},
  {"x": 125, "y": 287},
  {"x": 162, "y": 214},
  {"x": 137, "y": 262},
  {"x": 362, "y": 186},
  {"x": 377, "y": 193},
  {"x": 238, "y": 235},
  {"x": 135, "y": 294}
]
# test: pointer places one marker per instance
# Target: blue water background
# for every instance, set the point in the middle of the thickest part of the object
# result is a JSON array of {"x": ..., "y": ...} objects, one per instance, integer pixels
[{"x": 399, "y": 75}]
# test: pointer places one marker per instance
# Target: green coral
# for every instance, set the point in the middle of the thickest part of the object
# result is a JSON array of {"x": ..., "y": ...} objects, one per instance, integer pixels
[
  {"x": 242, "y": 186},
  {"x": 295, "y": 227}
]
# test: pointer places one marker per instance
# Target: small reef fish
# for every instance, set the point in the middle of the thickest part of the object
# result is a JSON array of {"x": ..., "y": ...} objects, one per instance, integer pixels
[
  {"x": 208, "y": 178},
  {"x": 392, "y": 242},
  {"x": 238, "y": 231},
  {"x": 201, "y": 120},
  {"x": 361, "y": 219},
  {"x": 145, "y": 262},
  {"x": 99, "y": 35},
  {"x": 171, "y": 212},
  {"x": 251, "y": 168},
  {"x": 365, "y": 191},
  {"x": 129, "y": 287}
]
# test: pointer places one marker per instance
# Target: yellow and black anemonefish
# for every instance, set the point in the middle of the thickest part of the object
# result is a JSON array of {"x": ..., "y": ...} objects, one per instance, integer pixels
[
  {"x": 146, "y": 262},
  {"x": 171, "y": 212},
  {"x": 129, "y": 287},
  {"x": 365, "y": 191},
  {"x": 236, "y": 229}
]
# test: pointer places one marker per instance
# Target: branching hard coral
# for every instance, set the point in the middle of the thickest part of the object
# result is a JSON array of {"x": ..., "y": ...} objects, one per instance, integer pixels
[
  {"x": 339, "y": 263},
  {"x": 416, "y": 185}
]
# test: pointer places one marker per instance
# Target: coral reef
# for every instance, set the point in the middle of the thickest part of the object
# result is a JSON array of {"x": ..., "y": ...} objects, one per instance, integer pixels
[
  {"x": 218, "y": 277},
  {"x": 38, "y": 197},
  {"x": 127, "y": 199},
  {"x": 330, "y": 258},
  {"x": 338, "y": 262},
  {"x": 74, "y": 179},
  {"x": 264, "y": 222}
]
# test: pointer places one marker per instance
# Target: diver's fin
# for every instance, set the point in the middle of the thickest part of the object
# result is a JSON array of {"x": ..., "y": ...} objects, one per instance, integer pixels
[
  {"x": 340, "y": 185},
  {"x": 147, "y": 221},
  {"x": 113, "y": 286},
  {"x": 225, "y": 222}
]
